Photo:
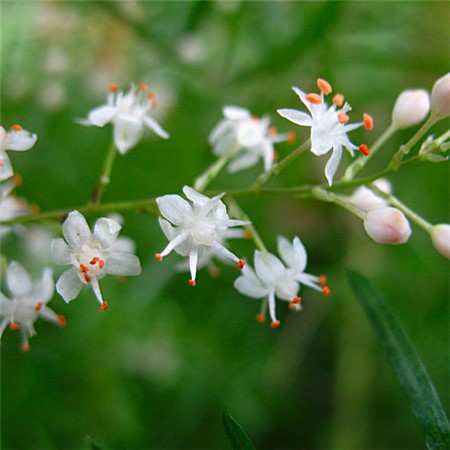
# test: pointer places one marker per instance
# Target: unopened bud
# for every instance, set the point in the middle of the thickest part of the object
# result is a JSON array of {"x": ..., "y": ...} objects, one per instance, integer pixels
[
  {"x": 411, "y": 107},
  {"x": 440, "y": 97},
  {"x": 387, "y": 225},
  {"x": 365, "y": 199},
  {"x": 440, "y": 235}
]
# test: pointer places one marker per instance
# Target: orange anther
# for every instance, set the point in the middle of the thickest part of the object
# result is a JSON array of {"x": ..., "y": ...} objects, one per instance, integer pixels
[
  {"x": 61, "y": 321},
  {"x": 113, "y": 87},
  {"x": 275, "y": 324},
  {"x": 364, "y": 149},
  {"x": 1, "y": 164},
  {"x": 322, "y": 280},
  {"x": 324, "y": 86},
  {"x": 151, "y": 96},
  {"x": 272, "y": 131},
  {"x": 338, "y": 99},
  {"x": 255, "y": 118},
  {"x": 94, "y": 260},
  {"x": 247, "y": 234},
  {"x": 240, "y": 264},
  {"x": 343, "y": 118},
  {"x": 276, "y": 156},
  {"x": 17, "y": 180},
  {"x": 368, "y": 121},
  {"x": 296, "y": 300},
  {"x": 314, "y": 98},
  {"x": 192, "y": 282},
  {"x": 158, "y": 257},
  {"x": 291, "y": 137},
  {"x": 143, "y": 87},
  {"x": 87, "y": 278},
  {"x": 83, "y": 268},
  {"x": 101, "y": 263},
  {"x": 14, "y": 326},
  {"x": 35, "y": 209},
  {"x": 326, "y": 290},
  {"x": 214, "y": 271},
  {"x": 25, "y": 347},
  {"x": 104, "y": 306},
  {"x": 17, "y": 127},
  {"x": 38, "y": 307},
  {"x": 261, "y": 318}
]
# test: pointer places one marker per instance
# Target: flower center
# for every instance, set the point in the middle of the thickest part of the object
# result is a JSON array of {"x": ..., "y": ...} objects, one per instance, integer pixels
[
  {"x": 90, "y": 262},
  {"x": 250, "y": 133},
  {"x": 203, "y": 232}
]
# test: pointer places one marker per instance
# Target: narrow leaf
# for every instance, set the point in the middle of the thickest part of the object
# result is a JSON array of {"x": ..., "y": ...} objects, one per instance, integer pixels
[
  {"x": 411, "y": 373},
  {"x": 236, "y": 434}
]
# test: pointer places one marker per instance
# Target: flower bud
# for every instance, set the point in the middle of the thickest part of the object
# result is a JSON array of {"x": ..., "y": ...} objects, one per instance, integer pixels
[
  {"x": 411, "y": 107},
  {"x": 440, "y": 97},
  {"x": 365, "y": 199},
  {"x": 387, "y": 225},
  {"x": 440, "y": 235}
]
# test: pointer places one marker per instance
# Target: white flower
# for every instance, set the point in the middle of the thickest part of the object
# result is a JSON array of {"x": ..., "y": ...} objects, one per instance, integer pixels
[
  {"x": 17, "y": 139},
  {"x": 28, "y": 302},
  {"x": 252, "y": 135},
  {"x": 11, "y": 206},
  {"x": 411, "y": 107},
  {"x": 440, "y": 236},
  {"x": 128, "y": 113},
  {"x": 272, "y": 278},
  {"x": 91, "y": 255},
  {"x": 387, "y": 225},
  {"x": 328, "y": 125},
  {"x": 196, "y": 229},
  {"x": 365, "y": 199}
]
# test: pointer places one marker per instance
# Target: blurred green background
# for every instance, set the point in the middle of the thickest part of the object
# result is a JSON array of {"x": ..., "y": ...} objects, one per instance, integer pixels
[{"x": 156, "y": 369}]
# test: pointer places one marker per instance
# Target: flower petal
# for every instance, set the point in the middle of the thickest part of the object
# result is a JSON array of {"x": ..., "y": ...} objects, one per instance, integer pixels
[
  {"x": 127, "y": 132},
  {"x": 196, "y": 197},
  {"x": 106, "y": 231},
  {"x": 6, "y": 170},
  {"x": 60, "y": 251},
  {"x": 121, "y": 263},
  {"x": 174, "y": 208},
  {"x": 249, "y": 284},
  {"x": 48, "y": 314},
  {"x": 298, "y": 117},
  {"x": 69, "y": 285},
  {"x": 19, "y": 140},
  {"x": 268, "y": 267},
  {"x": 156, "y": 127},
  {"x": 236, "y": 113},
  {"x": 76, "y": 230},
  {"x": 294, "y": 255},
  {"x": 244, "y": 161},
  {"x": 100, "y": 116},
  {"x": 45, "y": 287},
  {"x": 18, "y": 280},
  {"x": 333, "y": 164}
]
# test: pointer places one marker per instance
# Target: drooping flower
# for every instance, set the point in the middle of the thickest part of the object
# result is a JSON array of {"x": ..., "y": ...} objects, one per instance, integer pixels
[
  {"x": 28, "y": 302},
  {"x": 129, "y": 113},
  {"x": 91, "y": 255},
  {"x": 18, "y": 140},
  {"x": 329, "y": 125},
  {"x": 275, "y": 278},
  {"x": 196, "y": 229},
  {"x": 251, "y": 134}
]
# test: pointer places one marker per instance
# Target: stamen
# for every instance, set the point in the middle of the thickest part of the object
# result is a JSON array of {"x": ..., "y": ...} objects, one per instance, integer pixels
[
  {"x": 275, "y": 324},
  {"x": 83, "y": 268},
  {"x": 368, "y": 121},
  {"x": 17, "y": 127},
  {"x": 87, "y": 278},
  {"x": 272, "y": 131},
  {"x": 240, "y": 264},
  {"x": 326, "y": 290},
  {"x": 101, "y": 263},
  {"x": 343, "y": 118},
  {"x": 1, "y": 164},
  {"x": 35, "y": 209},
  {"x": 322, "y": 280},
  {"x": 291, "y": 137},
  {"x": 261, "y": 318},
  {"x": 276, "y": 156},
  {"x": 324, "y": 86},
  {"x": 17, "y": 180},
  {"x": 25, "y": 347},
  {"x": 255, "y": 118},
  {"x": 192, "y": 282},
  {"x": 314, "y": 98},
  {"x": 104, "y": 306},
  {"x": 61, "y": 321},
  {"x": 113, "y": 87},
  {"x": 364, "y": 149},
  {"x": 38, "y": 307},
  {"x": 143, "y": 87},
  {"x": 158, "y": 257},
  {"x": 338, "y": 99},
  {"x": 94, "y": 260},
  {"x": 296, "y": 300},
  {"x": 152, "y": 97},
  {"x": 14, "y": 326},
  {"x": 247, "y": 234}
]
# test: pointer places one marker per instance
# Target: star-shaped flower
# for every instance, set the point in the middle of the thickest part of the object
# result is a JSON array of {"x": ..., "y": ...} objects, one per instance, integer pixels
[
  {"x": 28, "y": 302},
  {"x": 275, "y": 278},
  {"x": 329, "y": 125},
  {"x": 18, "y": 140},
  {"x": 129, "y": 113},
  {"x": 197, "y": 228},
  {"x": 11, "y": 206},
  {"x": 251, "y": 134},
  {"x": 91, "y": 256}
]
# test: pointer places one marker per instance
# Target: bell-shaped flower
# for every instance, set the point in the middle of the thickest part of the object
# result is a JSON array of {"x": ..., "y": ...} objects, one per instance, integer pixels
[
  {"x": 196, "y": 229},
  {"x": 329, "y": 125},
  {"x": 129, "y": 114},
  {"x": 28, "y": 302},
  {"x": 252, "y": 136},
  {"x": 273, "y": 277},
  {"x": 18, "y": 140},
  {"x": 91, "y": 255}
]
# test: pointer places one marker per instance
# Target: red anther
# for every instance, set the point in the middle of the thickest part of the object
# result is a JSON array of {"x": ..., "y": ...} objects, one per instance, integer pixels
[
  {"x": 364, "y": 149},
  {"x": 296, "y": 300},
  {"x": 1, "y": 164},
  {"x": 343, "y": 118},
  {"x": 101, "y": 263},
  {"x": 94, "y": 260},
  {"x": 38, "y": 307},
  {"x": 261, "y": 318},
  {"x": 272, "y": 131},
  {"x": 192, "y": 283},
  {"x": 83, "y": 268},
  {"x": 255, "y": 118},
  {"x": 338, "y": 99},
  {"x": 104, "y": 306},
  {"x": 14, "y": 326},
  {"x": 240, "y": 264},
  {"x": 291, "y": 137},
  {"x": 143, "y": 87},
  {"x": 35, "y": 209},
  {"x": 275, "y": 324},
  {"x": 25, "y": 347},
  {"x": 314, "y": 98},
  {"x": 322, "y": 280},
  {"x": 151, "y": 96},
  {"x": 158, "y": 257},
  {"x": 326, "y": 290},
  {"x": 113, "y": 87},
  {"x": 87, "y": 278},
  {"x": 247, "y": 234},
  {"x": 61, "y": 321},
  {"x": 368, "y": 121},
  {"x": 324, "y": 86},
  {"x": 17, "y": 127}
]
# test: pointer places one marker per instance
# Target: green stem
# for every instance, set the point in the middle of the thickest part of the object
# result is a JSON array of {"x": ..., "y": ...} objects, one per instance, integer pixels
[
  {"x": 323, "y": 195},
  {"x": 106, "y": 174}
]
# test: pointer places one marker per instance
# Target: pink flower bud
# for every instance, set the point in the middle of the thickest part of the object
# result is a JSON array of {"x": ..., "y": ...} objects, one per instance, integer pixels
[
  {"x": 440, "y": 97},
  {"x": 411, "y": 107},
  {"x": 365, "y": 199},
  {"x": 387, "y": 226},
  {"x": 440, "y": 235}
]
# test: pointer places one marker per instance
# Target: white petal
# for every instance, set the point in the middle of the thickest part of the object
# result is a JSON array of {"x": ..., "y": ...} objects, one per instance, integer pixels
[
  {"x": 18, "y": 280},
  {"x": 96, "y": 289},
  {"x": 156, "y": 127},
  {"x": 218, "y": 131},
  {"x": 76, "y": 230},
  {"x": 5, "y": 305},
  {"x": 298, "y": 117},
  {"x": 69, "y": 285},
  {"x": 101, "y": 116},
  {"x": 167, "y": 228},
  {"x": 121, "y": 263},
  {"x": 19, "y": 140},
  {"x": 45, "y": 287},
  {"x": 223, "y": 252},
  {"x": 174, "y": 208},
  {"x": 309, "y": 280},
  {"x": 236, "y": 113},
  {"x": 268, "y": 267},
  {"x": 6, "y": 170},
  {"x": 127, "y": 132},
  {"x": 244, "y": 161},
  {"x": 249, "y": 284},
  {"x": 60, "y": 251},
  {"x": 294, "y": 255},
  {"x": 333, "y": 164},
  {"x": 267, "y": 153},
  {"x": 106, "y": 231},
  {"x": 196, "y": 197},
  {"x": 48, "y": 314}
]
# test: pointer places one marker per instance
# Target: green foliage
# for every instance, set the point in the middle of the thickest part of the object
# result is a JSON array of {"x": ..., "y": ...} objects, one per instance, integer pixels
[{"x": 236, "y": 434}]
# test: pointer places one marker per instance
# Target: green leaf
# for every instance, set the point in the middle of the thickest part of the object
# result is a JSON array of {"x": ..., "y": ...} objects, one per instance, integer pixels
[
  {"x": 411, "y": 373},
  {"x": 92, "y": 444},
  {"x": 236, "y": 434}
]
